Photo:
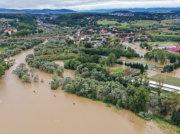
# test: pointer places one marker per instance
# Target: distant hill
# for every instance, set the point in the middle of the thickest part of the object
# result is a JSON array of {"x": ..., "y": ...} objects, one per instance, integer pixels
[
  {"x": 155, "y": 10},
  {"x": 65, "y": 11},
  {"x": 121, "y": 11},
  {"x": 175, "y": 11},
  {"x": 37, "y": 11}
]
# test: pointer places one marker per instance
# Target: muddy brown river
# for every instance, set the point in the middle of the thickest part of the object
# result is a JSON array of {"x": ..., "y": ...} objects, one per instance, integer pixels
[{"x": 24, "y": 112}]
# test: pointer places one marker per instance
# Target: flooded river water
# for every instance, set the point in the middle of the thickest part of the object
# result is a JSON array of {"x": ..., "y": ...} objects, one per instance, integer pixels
[{"x": 23, "y": 111}]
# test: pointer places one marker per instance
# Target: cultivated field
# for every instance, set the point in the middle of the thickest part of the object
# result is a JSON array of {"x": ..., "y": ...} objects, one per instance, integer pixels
[
  {"x": 170, "y": 23},
  {"x": 145, "y": 23},
  {"x": 4, "y": 20},
  {"x": 105, "y": 22}
]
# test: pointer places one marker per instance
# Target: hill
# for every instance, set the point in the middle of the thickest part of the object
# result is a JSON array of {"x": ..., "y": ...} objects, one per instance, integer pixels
[
  {"x": 37, "y": 11},
  {"x": 153, "y": 10}
]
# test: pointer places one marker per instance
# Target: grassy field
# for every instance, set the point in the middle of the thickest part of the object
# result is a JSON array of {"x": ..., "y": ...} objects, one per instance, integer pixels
[
  {"x": 145, "y": 23},
  {"x": 163, "y": 34},
  {"x": 168, "y": 80},
  {"x": 1, "y": 49},
  {"x": 104, "y": 22},
  {"x": 118, "y": 70},
  {"x": 165, "y": 44},
  {"x": 169, "y": 23},
  {"x": 3, "y": 20}
]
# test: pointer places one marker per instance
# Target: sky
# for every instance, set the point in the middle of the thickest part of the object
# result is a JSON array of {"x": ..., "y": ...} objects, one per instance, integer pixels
[{"x": 86, "y": 4}]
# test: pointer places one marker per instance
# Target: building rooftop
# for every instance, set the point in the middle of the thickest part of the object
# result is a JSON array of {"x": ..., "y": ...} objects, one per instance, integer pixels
[{"x": 174, "y": 49}]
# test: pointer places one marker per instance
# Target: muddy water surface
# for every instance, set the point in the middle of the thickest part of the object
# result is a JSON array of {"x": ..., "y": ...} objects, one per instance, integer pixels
[
  {"x": 137, "y": 48},
  {"x": 67, "y": 72},
  {"x": 24, "y": 112},
  {"x": 142, "y": 61}
]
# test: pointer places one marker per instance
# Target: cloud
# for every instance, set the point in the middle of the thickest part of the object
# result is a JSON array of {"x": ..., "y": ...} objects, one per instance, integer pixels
[{"x": 87, "y": 4}]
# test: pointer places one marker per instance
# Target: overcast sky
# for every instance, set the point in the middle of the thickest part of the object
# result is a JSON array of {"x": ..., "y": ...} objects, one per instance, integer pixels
[{"x": 87, "y": 4}]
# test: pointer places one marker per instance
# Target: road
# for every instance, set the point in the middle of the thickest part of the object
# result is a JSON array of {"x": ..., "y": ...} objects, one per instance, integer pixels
[{"x": 165, "y": 87}]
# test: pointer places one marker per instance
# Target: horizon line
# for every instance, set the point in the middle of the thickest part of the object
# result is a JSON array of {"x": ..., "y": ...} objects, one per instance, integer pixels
[{"x": 85, "y": 10}]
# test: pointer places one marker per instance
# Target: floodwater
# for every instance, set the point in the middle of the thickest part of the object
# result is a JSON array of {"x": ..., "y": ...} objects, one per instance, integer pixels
[
  {"x": 143, "y": 61},
  {"x": 23, "y": 111},
  {"x": 175, "y": 73},
  {"x": 137, "y": 48},
  {"x": 67, "y": 72}
]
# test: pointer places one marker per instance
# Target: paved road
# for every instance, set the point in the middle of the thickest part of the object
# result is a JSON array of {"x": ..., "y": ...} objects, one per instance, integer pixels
[{"x": 165, "y": 87}]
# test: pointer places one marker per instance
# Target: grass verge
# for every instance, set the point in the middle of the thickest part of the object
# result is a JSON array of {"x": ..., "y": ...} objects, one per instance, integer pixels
[{"x": 168, "y": 79}]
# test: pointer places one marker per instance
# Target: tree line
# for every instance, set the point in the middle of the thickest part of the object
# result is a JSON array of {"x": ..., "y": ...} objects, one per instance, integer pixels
[
  {"x": 3, "y": 66},
  {"x": 131, "y": 97},
  {"x": 14, "y": 47},
  {"x": 140, "y": 66}
]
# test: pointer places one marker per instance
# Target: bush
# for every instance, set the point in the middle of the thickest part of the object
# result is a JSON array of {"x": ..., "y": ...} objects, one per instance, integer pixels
[
  {"x": 55, "y": 83},
  {"x": 176, "y": 117},
  {"x": 146, "y": 115}
]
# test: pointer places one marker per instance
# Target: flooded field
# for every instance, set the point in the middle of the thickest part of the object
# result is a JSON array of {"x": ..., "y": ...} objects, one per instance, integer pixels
[
  {"x": 175, "y": 73},
  {"x": 23, "y": 111},
  {"x": 137, "y": 48},
  {"x": 142, "y": 61}
]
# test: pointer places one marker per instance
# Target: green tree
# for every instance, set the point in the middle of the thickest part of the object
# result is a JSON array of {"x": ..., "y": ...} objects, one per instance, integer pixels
[
  {"x": 137, "y": 98},
  {"x": 26, "y": 78},
  {"x": 59, "y": 71},
  {"x": 176, "y": 117},
  {"x": 173, "y": 102},
  {"x": 161, "y": 55},
  {"x": 2, "y": 72},
  {"x": 111, "y": 59},
  {"x": 55, "y": 83}
]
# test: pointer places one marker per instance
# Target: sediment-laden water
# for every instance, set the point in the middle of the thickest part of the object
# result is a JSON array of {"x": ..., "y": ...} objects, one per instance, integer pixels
[{"x": 23, "y": 111}]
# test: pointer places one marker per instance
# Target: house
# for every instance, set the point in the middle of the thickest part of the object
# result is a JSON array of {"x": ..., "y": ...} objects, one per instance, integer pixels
[
  {"x": 71, "y": 37},
  {"x": 127, "y": 38},
  {"x": 103, "y": 39},
  {"x": 141, "y": 28},
  {"x": 83, "y": 37},
  {"x": 127, "y": 45},
  {"x": 116, "y": 34},
  {"x": 97, "y": 45},
  {"x": 77, "y": 43},
  {"x": 174, "y": 49},
  {"x": 10, "y": 31},
  {"x": 112, "y": 43},
  {"x": 112, "y": 35},
  {"x": 91, "y": 30},
  {"x": 103, "y": 31}
]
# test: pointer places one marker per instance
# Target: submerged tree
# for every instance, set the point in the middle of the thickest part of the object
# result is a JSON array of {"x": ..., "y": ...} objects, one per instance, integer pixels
[
  {"x": 2, "y": 72},
  {"x": 55, "y": 83},
  {"x": 26, "y": 78}
]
